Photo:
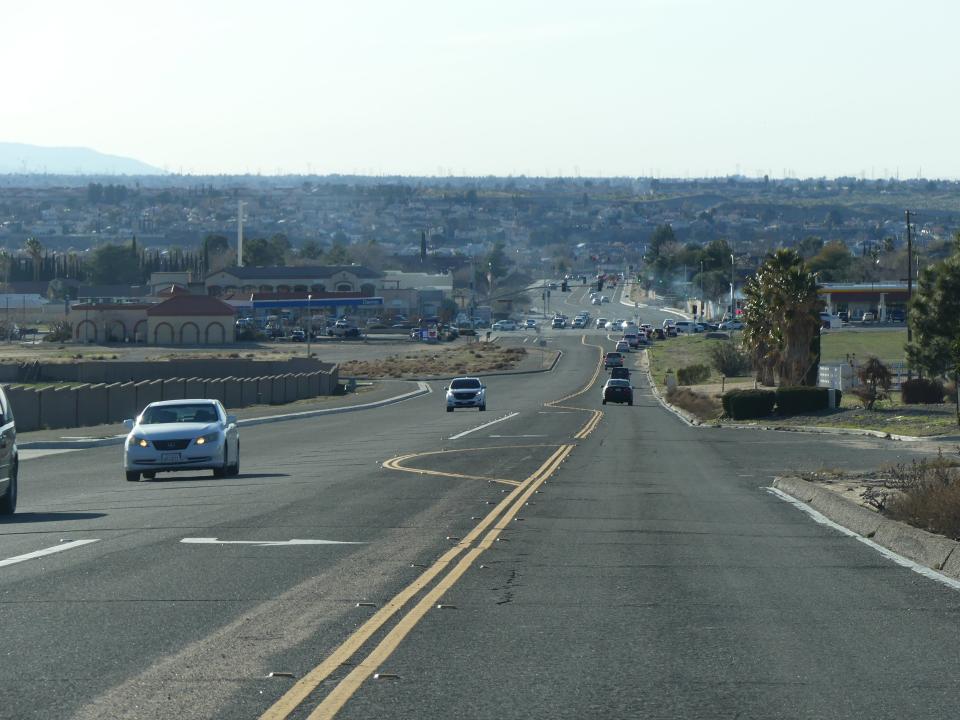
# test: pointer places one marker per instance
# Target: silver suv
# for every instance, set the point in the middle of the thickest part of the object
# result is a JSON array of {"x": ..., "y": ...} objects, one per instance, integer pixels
[
  {"x": 9, "y": 462},
  {"x": 466, "y": 392}
]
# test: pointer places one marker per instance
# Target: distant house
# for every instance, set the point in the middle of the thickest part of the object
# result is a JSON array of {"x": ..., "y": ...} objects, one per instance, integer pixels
[
  {"x": 182, "y": 319},
  {"x": 303, "y": 278}
]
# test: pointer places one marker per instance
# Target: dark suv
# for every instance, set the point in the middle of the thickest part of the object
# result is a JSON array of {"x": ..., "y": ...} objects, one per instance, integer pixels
[{"x": 619, "y": 373}]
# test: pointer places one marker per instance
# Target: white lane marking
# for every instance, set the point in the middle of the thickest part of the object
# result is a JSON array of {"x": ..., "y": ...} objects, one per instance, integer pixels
[
  {"x": 554, "y": 412},
  {"x": 47, "y": 551},
  {"x": 29, "y": 454},
  {"x": 481, "y": 427},
  {"x": 886, "y": 552},
  {"x": 265, "y": 543},
  {"x": 515, "y": 436}
]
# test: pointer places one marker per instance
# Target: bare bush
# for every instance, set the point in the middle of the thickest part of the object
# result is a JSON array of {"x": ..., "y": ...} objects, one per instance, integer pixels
[
  {"x": 702, "y": 406},
  {"x": 729, "y": 359},
  {"x": 923, "y": 493}
]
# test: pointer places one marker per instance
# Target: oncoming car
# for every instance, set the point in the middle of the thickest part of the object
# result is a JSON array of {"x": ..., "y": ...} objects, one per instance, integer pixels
[
  {"x": 179, "y": 436},
  {"x": 466, "y": 392}
]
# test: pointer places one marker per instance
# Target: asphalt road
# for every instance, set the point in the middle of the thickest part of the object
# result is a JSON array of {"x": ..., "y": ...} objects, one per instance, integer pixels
[{"x": 568, "y": 560}]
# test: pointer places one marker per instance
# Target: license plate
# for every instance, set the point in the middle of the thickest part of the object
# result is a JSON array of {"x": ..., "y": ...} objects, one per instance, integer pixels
[{"x": 170, "y": 457}]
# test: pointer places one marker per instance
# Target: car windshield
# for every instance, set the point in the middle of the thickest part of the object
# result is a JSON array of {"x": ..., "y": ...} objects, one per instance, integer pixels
[
  {"x": 618, "y": 383},
  {"x": 199, "y": 412},
  {"x": 465, "y": 384}
]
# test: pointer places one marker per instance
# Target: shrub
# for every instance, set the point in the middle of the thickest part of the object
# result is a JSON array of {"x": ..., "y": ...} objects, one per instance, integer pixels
[
  {"x": 729, "y": 359},
  {"x": 801, "y": 399},
  {"x": 747, "y": 404},
  {"x": 925, "y": 493},
  {"x": 693, "y": 374},
  {"x": 876, "y": 378},
  {"x": 60, "y": 331},
  {"x": 703, "y": 406},
  {"x": 921, "y": 391}
]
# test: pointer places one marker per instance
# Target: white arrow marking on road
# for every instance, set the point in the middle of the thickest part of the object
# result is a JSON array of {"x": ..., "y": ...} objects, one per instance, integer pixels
[
  {"x": 47, "y": 551},
  {"x": 481, "y": 427},
  {"x": 265, "y": 543}
]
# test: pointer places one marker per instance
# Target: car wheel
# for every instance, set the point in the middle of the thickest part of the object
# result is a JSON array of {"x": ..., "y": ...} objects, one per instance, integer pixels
[
  {"x": 149, "y": 475},
  {"x": 133, "y": 476},
  {"x": 449, "y": 409},
  {"x": 225, "y": 468},
  {"x": 629, "y": 402},
  {"x": 8, "y": 503},
  {"x": 235, "y": 468},
  {"x": 604, "y": 401},
  {"x": 483, "y": 408}
]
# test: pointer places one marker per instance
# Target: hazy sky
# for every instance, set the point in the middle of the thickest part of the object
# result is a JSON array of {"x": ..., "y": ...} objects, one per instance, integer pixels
[{"x": 661, "y": 87}]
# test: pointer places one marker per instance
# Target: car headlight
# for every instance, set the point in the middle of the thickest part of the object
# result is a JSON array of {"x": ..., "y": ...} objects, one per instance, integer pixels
[
  {"x": 140, "y": 442},
  {"x": 204, "y": 439}
]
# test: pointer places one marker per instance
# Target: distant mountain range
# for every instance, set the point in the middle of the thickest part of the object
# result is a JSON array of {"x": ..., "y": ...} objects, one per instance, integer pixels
[{"x": 18, "y": 158}]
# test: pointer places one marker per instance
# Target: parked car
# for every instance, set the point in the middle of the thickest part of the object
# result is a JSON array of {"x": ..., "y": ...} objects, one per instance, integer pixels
[
  {"x": 504, "y": 325},
  {"x": 844, "y": 315},
  {"x": 9, "y": 458},
  {"x": 182, "y": 435},
  {"x": 618, "y": 391},
  {"x": 868, "y": 317},
  {"x": 659, "y": 334},
  {"x": 731, "y": 325},
  {"x": 612, "y": 359},
  {"x": 686, "y": 326},
  {"x": 671, "y": 330},
  {"x": 298, "y": 335},
  {"x": 897, "y": 316},
  {"x": 558, "y": 323},
  {"x": 466, "y": 392},
  {"x": 604, "y": 299}
]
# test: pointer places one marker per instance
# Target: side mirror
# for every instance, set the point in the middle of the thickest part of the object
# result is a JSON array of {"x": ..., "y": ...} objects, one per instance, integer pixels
[
  {"x": 231, "y": 419},
  {"x": 128, "y": 424}
]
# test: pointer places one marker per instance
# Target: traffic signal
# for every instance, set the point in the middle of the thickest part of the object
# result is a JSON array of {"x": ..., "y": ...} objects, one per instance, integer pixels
[{"x": 564, "y": 287}]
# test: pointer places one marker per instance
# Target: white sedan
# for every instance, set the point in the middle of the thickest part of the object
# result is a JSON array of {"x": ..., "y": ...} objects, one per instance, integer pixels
[{"x": 182, "y": 435}]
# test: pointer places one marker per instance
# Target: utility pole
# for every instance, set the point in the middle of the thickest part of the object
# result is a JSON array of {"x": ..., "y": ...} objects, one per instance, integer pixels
[
  {"x": 909, "y": 285},
  {"x": 240, "y": 205},
  {"x": 733, "y": 311}
]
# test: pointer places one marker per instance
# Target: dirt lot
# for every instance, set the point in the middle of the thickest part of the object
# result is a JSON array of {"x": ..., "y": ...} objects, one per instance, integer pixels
[
  {"x": 457, "y": 360},
  {"x": 376, "y": 358}
]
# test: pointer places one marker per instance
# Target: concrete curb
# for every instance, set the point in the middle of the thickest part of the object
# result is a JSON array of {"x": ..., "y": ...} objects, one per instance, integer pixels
[
  {"x": 690, "y": 419},
  {"x": 423, "y": 389},
  {"x": 933, "y": 551}
]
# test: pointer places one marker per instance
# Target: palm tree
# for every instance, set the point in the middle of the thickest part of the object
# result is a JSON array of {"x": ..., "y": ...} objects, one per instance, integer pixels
[
  {"x": 782, "y": 318},
  {"x": 34, "y": 249}
]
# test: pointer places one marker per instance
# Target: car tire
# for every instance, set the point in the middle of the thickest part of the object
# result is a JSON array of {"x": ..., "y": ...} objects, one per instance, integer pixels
[
  {"x": 149, "y": 475},
  {"x": 630, "y": 402},
  {"x": 235, "y": 468},
  {"x": 604, "y": 401},
  {"x": 483, "y": 408},
  {"x": 449, "y": 409},
  {"x": 8, "y": 503},
  {"x": 133, "y": 476},
  {"x": 224, "y": 470}
]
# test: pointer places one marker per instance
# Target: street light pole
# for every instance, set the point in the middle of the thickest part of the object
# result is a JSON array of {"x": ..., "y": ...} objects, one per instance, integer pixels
[
  {"x": 309, "y": 323},
  {"x": 702, "y": 313},
  {"x": 733, "y": 311}
]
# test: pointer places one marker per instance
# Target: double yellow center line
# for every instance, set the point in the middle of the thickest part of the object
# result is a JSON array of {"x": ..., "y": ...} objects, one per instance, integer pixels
[
  {"x": 489, "y": 528},
  {"x": 595, "y": 415}
]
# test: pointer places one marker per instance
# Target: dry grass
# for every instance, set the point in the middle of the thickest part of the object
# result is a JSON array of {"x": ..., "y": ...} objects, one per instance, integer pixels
[
  {"x": 924, "y": 493},
  {"x": 704, "y": 407},
  {"x": 462, "y": 360}
]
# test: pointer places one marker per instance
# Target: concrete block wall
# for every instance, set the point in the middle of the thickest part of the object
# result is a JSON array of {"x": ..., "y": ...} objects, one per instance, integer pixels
[
  {"x": 92, "y": 405},
  {"x": 214, "y": 390},
  {"x": 248, "y": 391},
  {"x": 122, "y": 401},
  {"x": 173, "y": 389},
  {"x": 58, "y": 407},
  {"x": 102, "y": 403},
  {"x": 148, "y": 391},
  {"x": 25, "y": 402},
  {"x": 232, "y": 393}
]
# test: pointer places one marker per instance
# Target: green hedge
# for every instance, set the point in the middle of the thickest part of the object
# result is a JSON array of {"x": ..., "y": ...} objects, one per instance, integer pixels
[
  {"x": 921, "y": 391},
  {"x": 693, "y": 374},
  {"x": 747, "y": 404},
  {"x": 802, "y": 399}
]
